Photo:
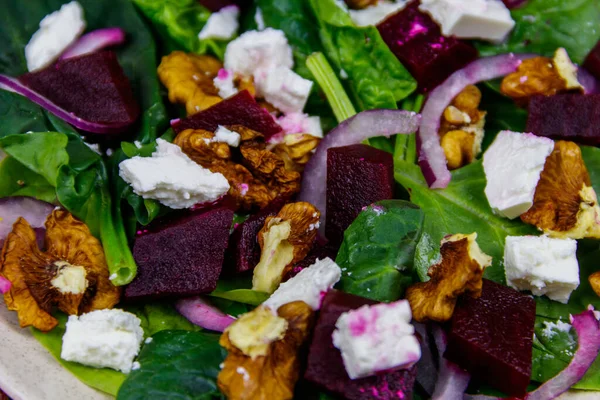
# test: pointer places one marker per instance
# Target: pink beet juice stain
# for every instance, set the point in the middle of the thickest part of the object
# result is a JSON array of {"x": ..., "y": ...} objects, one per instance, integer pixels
[{"x": 223, "y": 74}]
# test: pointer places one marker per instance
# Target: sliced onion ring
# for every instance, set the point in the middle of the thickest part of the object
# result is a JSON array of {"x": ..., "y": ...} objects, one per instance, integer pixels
[
  {"x": 431, "y": 155},
  {"x": 362, "y": 126},
  {"x": 13, "y": 85},
  {"x": 452, "y": 381},
  {"x": 94, "y": 41},
  {"x": 200, "y": 312},
  {"x": 590, "y": 84}
]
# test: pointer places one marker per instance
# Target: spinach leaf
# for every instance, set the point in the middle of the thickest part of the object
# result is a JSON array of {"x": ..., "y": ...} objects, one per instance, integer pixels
[
  {"x": 158, "y": 316},
  {"x": 460, "y": 208},
  {"x": 378, "y": 250},
  {"x": 542, "y": 26},
  {"x": 239, "y": 289},
  {"x": 553, "y": 348},
  {"x": 103, "y": 379},
  {"x": 17, "y": 180},
  {"x": 19, "y": 115},
  {"x": 176, "y": 364},
  {"x": 502, "y": 114}
]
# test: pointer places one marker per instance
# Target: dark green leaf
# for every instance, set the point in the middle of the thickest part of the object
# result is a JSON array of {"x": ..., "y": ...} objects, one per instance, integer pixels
[
  {"x": 502, "y": 114},
  {"x": 378, "y": 250},
  {"x": 19, "y": 115},
  {"x": 158, "y": 316},
  {"x": 17, "y": 180}
]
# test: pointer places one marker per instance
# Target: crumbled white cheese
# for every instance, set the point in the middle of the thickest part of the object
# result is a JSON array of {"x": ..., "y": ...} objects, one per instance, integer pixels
[
  {"x": 138, "y": 144},
  {"x": 512, "y": 165},
  {"x": 301, "y": 123},
  {"x": 377, "y": 338},
  {"x": 551, "y": 329},
  {"x": 224, "y": 135},
  {"x": 308, "y": 286},
  {"x": 57, "y": 32},
  {"x": 172, "y": 178},
  {"x": 259, "y": 19},
  {"x": 222, "y": 24},
  {"x": 283, "y": 88},
  {"x": 103, "y": 339},
  {"x": 148, "y": 340},
  {"x": 224, "y": 81},
  {"x": 242, "y": 371},
  {"x": 542, "y": 265},
  {"x": 112, "y": 277},
  {"x": 95, "y": 147},
  {"x": 256, "y": 50},
  {"x": 343, "y": 74},
  {"x": 374, "y": 14},
  {"x": 135, "y": 366},
  {"x": 109, "y": 152},
  {"x": 475, "y": 19}
]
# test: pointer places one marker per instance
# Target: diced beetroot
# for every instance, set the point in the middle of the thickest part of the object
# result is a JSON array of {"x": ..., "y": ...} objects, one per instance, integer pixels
[
  {"x": 326, "y": 369},
  {"x": 514, "y": 3},
  {"x": 418, "y": 43},
  {"x": 574, "y": 117},
  {"x": 592, "y": 61},
  {"x": 216, "y": 5},
  {"x": 318, "y": 252},
  {"x": 183, "y": 258},
  {"x": 357, "y": 176},
  {"x": 492, "y": 337},
  {"x": 92, "y": 86},
  {"x": 240, "y": 109},
  {"x": 244, "y": 251}
]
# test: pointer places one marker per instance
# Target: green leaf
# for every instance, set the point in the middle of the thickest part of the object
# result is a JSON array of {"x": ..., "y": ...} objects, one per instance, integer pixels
[
  {"x": 103, "y": 379},
  {"x": 239, "y": 289},
  {"x": 19, "y": 115},
  {"x": 17, "y": 180},
  {"x": 591, "y": 156},
  {"x": 158, "y": 316},
  {"x": 176, "y": 365},
  {"x": 460, "y": 208},
  {"x": 502, "y": 114},
  {"x": 542, "y": 26},
  {"x": 378, "y": 250}
]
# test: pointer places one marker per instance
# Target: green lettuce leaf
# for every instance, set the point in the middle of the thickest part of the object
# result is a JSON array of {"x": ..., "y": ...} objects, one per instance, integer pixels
[
  {"x": 460, "y": 208},
  {"x": 176, "y": 364},
  {"x": 238, "y": 289},
  {"x": 378, "y": 250},
  {"x": 542, "y": 26},
  {"x": 158, "y": 316}
]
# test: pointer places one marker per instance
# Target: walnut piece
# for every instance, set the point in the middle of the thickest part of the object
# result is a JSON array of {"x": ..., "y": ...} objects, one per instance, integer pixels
[
  {"x": 541, "y": 76},
  {"x": 71, "y": 274},
  {"x": 296, "y": 150},
  {"x": 595, "y": 282},
  {"x": 565, "y": 204},
  {"x": 284, "y": 240},
  {"x": 462, "y": 128},
  {"x": 258, "y": 175},
  {"x": 189, "y": 80},
  {"x": 271, "y": 376},
  {"x": 459, "y": 271},
  {"x": 360, "y": 4}
]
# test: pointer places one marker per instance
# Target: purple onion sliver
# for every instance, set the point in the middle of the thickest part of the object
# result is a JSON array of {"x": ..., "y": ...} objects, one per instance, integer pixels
[
  {"x": 199, "y": 312},
  {"x": 95, "y": 41},
  {"x": 452, "y": 381},
  {"x": 4, "y": 285},
  {"x": 590, "y": 84}
]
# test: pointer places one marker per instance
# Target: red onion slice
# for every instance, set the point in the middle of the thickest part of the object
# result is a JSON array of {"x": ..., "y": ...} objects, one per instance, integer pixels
[
  {"x": 452, "y": 381},
  {"x": 4, "y": 285},
  {"x": 362, "y": 126},
  {"x": 199, "y": 312},
  {"x": 94, "y": 41},
  {"x": 33, "y": 211},
  {"x": 13, "y": 85},
  {"x": 431, "y": 155},
  {"x": 590, "y": 84}
]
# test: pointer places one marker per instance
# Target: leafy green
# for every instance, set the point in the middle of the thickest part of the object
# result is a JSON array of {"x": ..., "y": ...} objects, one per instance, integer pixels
[
  {"x": 460, "y": 208},
  {"x": 158, "y": 316},
  {"x": 239, "y": 289},
  {"x": 502, "y": 114},
  {"x": 176, "y": 364},
  {"x": 378, "y": 250},
  {"x": 542, "y": 26},
  {"x": 405, "y": 146},
  {"x": 103, "y": 379}
]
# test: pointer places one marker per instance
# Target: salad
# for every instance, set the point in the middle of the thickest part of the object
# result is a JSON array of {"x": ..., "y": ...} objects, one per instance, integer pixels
[{"x": 316, "y": 199}]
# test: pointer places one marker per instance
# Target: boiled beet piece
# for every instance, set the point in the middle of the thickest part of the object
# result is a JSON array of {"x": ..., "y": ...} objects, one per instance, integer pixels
[
  {"x": 183, "y": 258},
  {"x": 511, "y": 4},
  {"x": 326, "y": 369},
  {"x": 216, "y": 5},
  {"x": 419, "y": 45},
  {"x": 318, "y": 252},
  {"x": 357, "y": 176},
  {"x": 574, "y": 117},
  {"x": 240, "y": 109},
  {"x": 92, "y": 86},
  {"x": 592, "y": 61},
  {"x": 492, "y": 337}
]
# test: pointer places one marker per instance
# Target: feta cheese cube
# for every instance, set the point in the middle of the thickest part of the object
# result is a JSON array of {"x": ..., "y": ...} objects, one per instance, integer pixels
[
  {"x": 222, "y": 24},
  {"x": 308, "y": 286},
  {"x": 255, "y": 50},
  {"x": 224, "y": 135},
  {"x": 377, "y": 338},
  {"x": 224, "y": 81},
  {"x": 301, "y": 123},
  {"x": 172, "y": 178},
  {"x": 542, "y": 265},
  {"x": 283, "y": 88},
  {"x": 374, "y": 14},
  {"x": 103, "y": 339},
  {"x": 512, "y": 165},
  {"x": 259, "y": 19},
  {"x": 475, "y": 19},
  {"x": 57, "y": 32}
]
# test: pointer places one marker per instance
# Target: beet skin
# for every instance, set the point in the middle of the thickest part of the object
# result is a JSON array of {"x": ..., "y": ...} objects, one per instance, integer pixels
[
  {"x": 183, "y": 258},
  {"x": 592, "y": 61}
]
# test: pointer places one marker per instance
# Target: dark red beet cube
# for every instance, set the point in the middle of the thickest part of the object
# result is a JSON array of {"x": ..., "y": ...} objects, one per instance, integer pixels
[
  {"x": 418, "y": 43},
  {"x": 92, "y": 86},
  {"x": 511, "y": 4},
  {"x": 216, "y": 5},
  {"x": 592, "y": 61},
  {"x": 240, "y": 109},
  {"x": 357, "y": 176},
  {"x": 492, "y": 337},
  {"x": 326, "y": 369},
  {"x": 318, "y": 252},
  {"x": 183, "y": 258},
  {"x": 574, "y": 117}
]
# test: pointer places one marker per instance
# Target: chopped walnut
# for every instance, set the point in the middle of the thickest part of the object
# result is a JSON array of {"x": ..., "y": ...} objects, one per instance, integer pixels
[
  {"x": 189, "y": 80},
  {"x": 565, "y": 204},
  {"x": 296, "y": 150},
  {"x": 284, "y": 241},
  {"x": 595, "y": 282},
  {"x": 360, "y": 4},
  {"x": 271, "y": 376},
  {"x": 461, "y": 129},
  {"x": 71, "y": 274},
  {"x": 256, "y": 179},
  {"x": 460, "y": 271},
  {"x": 541, "y": 76}
]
